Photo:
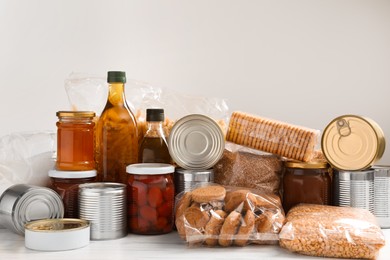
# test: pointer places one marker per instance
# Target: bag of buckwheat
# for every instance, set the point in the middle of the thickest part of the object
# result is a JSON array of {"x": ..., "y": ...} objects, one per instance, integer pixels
[{"x": 330, "y": 231}]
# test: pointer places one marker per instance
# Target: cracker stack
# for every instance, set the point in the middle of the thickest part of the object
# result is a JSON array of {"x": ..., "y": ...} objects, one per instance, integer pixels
[{"x": 290, "y": 141}]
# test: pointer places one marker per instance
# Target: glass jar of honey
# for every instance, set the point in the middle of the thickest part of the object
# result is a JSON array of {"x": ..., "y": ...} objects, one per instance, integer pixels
[
  {"x": 66, "y": 184},
  {"x": 75, "y": 141},
  {"x": 150, "y": 198},
  {"x": 306, "y": 182}
]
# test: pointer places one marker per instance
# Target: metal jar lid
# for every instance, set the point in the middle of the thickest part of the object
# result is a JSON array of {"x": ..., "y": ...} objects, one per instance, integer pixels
[
  {"x": 196, "y": 142},
  {"x": 307, "y": 165},
  {"x": 57, "y": 234},
  {"x": 352, "y": 142},
  {"x": 150, "y": 168},
  {"x": 72, "y": 174},
  {"x": 22, "y": 203}
]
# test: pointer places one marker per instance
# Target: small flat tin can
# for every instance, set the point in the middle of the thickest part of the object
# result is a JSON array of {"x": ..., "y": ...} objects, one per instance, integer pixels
[
  {"x": 196, "y": 142},
  {"x": 57, "y": 234},
  {"x": 352, "y": 143}
]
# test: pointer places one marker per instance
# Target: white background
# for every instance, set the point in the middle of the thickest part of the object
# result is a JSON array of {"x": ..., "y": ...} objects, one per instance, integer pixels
[{"x": 303, "y": 62}]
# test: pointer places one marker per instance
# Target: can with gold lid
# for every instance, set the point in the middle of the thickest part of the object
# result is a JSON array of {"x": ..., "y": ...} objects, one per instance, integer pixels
[{"x": 352, "y": 142}]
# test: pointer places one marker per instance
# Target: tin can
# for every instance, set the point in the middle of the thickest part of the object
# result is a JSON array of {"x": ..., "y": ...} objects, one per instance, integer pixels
[
  {"x": 353, "y": 143},
  {"x": 354, "y": 189},
  {"x": 382, "y": 195},
  {"x": 103, "y": 204},
  {"x": 186, "y": 180},
  {"x": 196, "y": 142},
  {"x": 23, "y": 203},
  {"x": 57, "y": 234}
]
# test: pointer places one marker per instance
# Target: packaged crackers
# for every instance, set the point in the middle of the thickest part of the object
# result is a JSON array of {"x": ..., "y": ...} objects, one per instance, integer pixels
[
  {"x": 290, "y": 141},
  {"x": 223, "y": 216}
]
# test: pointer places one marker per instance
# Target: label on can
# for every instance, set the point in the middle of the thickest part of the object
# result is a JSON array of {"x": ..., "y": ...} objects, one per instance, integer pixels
[{"x": 352, "y": 143}]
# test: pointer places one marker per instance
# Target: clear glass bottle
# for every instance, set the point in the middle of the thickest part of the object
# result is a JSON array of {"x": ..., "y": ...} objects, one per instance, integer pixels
[
  {"x": 154, "y": 147},
  {"x": 116, "y": 133}
]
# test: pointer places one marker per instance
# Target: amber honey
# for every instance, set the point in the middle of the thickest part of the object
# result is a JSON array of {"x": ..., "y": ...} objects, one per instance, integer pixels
[{"x": 75, "y": 141}]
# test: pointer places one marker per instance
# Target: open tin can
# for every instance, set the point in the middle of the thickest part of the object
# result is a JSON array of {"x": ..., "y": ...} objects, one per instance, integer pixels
[{"x": 352, "y": 143}]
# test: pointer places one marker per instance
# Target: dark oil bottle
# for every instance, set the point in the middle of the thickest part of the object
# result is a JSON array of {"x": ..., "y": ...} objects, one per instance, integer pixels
[{"x": 154, "y": 148}]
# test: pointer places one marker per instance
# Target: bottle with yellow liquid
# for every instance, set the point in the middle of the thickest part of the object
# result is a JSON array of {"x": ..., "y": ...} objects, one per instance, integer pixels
[{"x": 116, "y": 133}]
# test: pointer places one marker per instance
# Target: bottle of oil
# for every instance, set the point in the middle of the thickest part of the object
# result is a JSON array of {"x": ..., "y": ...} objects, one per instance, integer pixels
[
  {"x": 154, "y": 148},
  {"x": 116, "y": 133}
]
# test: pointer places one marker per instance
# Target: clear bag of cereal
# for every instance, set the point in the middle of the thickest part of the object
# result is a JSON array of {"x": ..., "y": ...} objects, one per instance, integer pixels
[{"x": 216, "y": 215}]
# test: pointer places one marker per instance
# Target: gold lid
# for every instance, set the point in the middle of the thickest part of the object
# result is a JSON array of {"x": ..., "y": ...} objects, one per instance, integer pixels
[
  {"x": 55, "y": 225},
  {"x": 352, "y": 142},
  {"x": 320, "y": 164},
  {"x": 75, "y": 114}
]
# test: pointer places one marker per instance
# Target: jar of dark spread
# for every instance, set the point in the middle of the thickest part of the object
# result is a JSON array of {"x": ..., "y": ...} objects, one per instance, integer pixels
[
  {"x": 66, "y": 184},
  {"x": 306, "y": 182},
  {"x": 150, "y": 198}
]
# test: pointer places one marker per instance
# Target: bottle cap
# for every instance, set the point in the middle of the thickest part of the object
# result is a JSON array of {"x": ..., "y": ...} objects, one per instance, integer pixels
[
  {"x": 154, "y": 114},
  {"x": 116, "y": 76}
]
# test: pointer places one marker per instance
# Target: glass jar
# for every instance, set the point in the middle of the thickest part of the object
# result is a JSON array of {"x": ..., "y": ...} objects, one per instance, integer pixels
[
  {"x": 306, "y": 182},
  {"x": 66, "y": 184},
  {"x": 150, "y": 198},
  {"x": 75, "y": 141},
  {"x": 116, "y": 133}
]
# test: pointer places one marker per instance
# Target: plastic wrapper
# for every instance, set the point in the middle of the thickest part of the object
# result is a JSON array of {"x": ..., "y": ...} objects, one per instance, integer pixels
[
  {"x": 216, "y": 215},
  {"x": 26, "y": 158},
  {"x": 329, "y": 231},
  {"x": 86, "y": 92},
  {"x": 245, "y": 167},
  {"x": 283, "y": 139}
]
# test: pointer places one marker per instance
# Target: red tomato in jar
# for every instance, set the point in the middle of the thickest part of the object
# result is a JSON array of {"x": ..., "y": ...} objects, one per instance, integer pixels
[
  {"x": 165, "y": 210},
  {"x": 161, "y": 223},
  {"x": 155, "y": 197},
  {"x": 148, "y": 213},
  {"x": 139, "y": 193},
  {"x": 169, "y": 193}
]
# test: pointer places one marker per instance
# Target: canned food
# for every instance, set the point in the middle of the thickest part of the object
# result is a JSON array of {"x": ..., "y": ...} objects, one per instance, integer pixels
[
  {"x": 57, "y": 234},
  {"x": 22, "y": 203},
  {"x": 66, "y": 184},
  {"x": 353, "y": 142},
  {"x": 186, "y": 180},
  {"x": 151, "y": 198},
  {"x": 382, "y": 195},
  {"x": 103, "y": 204},
  {"x": 196, "y": 142},
  {"x": 354, "y": 189}
]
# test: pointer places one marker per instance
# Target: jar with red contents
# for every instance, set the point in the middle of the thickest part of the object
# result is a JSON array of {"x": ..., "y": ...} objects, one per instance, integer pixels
[
  {"x": 150, "y": 198},
  {"x": 66, "y": 184}
]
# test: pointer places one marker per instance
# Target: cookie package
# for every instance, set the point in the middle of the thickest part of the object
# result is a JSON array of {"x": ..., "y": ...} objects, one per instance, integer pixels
[
  {"x": 272, "y": 136},
  {"x": 224, "y": 216},
  {"x": 329, "y": 231}
]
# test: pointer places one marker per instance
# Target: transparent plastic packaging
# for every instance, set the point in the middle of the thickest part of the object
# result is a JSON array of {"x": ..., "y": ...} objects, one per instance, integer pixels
[
  {"x": 330, "y": 231},
  {"x": 283, "y": 139},
  {"x": 249, "y": 168},
  {"x": 216, "y": 215}
]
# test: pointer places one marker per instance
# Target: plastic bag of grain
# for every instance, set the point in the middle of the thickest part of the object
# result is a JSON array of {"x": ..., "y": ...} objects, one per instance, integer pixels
[{"x": 329, "y": 231}]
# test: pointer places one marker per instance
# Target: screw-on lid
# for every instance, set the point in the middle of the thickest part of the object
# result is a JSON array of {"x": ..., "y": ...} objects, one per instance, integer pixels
[
  {"x": 116, "y": 76},
  {"x": 150, "y": 168},
  {"x": 154, "y": 114},
  {"x": 307, "y": 165},
  {"x": 72, "y": 174},
  {"x": 86, "y": 114}
]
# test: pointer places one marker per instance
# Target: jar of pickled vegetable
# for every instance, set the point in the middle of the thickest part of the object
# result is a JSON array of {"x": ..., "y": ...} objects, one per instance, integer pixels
[{"x": 150, "y": 198}]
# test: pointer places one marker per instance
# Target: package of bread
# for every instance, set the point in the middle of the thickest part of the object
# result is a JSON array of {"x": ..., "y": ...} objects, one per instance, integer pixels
[
  {"x": 249, "y": 168},
  {"x": 283, "y": 139},
  {"x": 329, "y": 231},
  {"x": 217, "y": 215}
]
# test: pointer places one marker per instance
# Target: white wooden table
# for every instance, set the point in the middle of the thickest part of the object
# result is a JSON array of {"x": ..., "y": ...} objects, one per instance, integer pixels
[{"x": 167, "y": 246}]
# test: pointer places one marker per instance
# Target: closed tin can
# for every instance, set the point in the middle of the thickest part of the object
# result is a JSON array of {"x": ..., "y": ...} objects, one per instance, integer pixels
[
  {"x": 186, "y": 180},
  {"x": 382, "y": 195},
  {"x": 103, "y": 204},
  {"x": 196, "y": 142},
  {"x": 354, "y": 189},
  {"x": 23, "y": 203},
  {"x": 352, "y": 143}
]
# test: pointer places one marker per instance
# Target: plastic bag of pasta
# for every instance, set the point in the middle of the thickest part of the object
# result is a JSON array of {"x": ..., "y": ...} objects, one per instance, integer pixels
[
  {"x": 329, "y": 231},
  {"x": 224, "y": 216}
]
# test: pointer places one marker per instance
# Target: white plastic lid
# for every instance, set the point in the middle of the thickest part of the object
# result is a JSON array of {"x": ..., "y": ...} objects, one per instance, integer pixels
[
  {"x": 72, "y": 174},
  {"x": 150, "y": 168},
  {"x": 57, "y": 234}
]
